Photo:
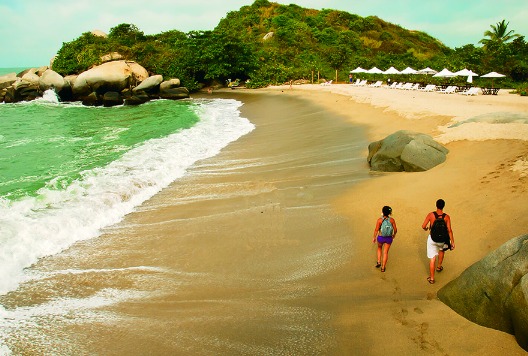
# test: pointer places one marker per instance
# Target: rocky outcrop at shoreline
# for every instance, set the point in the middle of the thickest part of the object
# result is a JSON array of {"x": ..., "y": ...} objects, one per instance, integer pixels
[
  {"x": 494, "y": 291},
  {"x": 109, "y": 84}
]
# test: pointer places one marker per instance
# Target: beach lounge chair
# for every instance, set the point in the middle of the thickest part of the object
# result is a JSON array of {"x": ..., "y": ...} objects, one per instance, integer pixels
[
  {"x": 428, "y": 87},
  {"x": 414, "y": 86},
  {"x": 362, "y": 83},
  {"x": 407, "y": 86},
  {"x": 357, "y": 82},
  {"x": 449, "y": 90},
  {"x": 327, "y": 83},
  {"x": 376, "y": 85},
  {"x": 470, "y": 91},
  {"x": 392, "y": 86},
  {"x": 399, "y": 86}
]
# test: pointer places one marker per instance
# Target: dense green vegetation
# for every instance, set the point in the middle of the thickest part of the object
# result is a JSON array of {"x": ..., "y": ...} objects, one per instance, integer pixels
[{"x": 271, "y": 43}]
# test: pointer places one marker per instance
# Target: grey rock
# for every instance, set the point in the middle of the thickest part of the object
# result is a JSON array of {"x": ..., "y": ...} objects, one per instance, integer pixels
[
  {"x": 112, "y": 98},
  {"x": 92, "y": 99},
  {"x": 406, "y": 151},
  {"x": 169, "y": 84},
  {"x": 174, "y": 93},
  {"x": 150, "y": 84},
  {"x": 7, "y": 80},
  {"x": 494, "y": 291},
  {"x": 51, "y": 79}
]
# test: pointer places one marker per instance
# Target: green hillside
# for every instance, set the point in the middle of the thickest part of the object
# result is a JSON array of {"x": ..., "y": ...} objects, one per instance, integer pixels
[{"x": 271, "y": 43}]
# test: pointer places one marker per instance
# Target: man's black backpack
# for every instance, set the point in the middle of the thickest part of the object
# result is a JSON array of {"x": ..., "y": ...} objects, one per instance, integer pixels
[{"x": 439, "y": 231}]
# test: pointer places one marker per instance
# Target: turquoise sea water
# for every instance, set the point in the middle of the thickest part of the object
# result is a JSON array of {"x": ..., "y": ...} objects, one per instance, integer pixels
[
  {"x": 4, "y": 71},
  {"x": 67, "y": 171}
]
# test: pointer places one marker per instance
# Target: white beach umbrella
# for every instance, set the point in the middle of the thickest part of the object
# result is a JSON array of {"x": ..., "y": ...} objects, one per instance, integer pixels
[
  {"x": 493, "y": 75},
  {"x": 392, "y": 70},
  {"x": 427, "y": 71},
  {"x": 446, "y": 73},
  {"x": 374, "y": 70},
  {"x": 467, "y": 73},
  {"x": 409, "y": 70},
  {"x": 358, "y": 70}
]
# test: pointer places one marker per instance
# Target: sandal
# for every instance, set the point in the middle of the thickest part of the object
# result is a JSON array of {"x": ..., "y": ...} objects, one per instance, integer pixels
[
  {"x": 378, "y": 265},
  {"x": 439, "y": 269},
  {"x": 382, "y": 269},
  {"x": 430, "y": 280}
]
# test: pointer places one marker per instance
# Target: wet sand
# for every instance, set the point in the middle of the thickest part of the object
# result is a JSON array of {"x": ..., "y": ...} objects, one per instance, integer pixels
[{"x": 266, "y": 248}]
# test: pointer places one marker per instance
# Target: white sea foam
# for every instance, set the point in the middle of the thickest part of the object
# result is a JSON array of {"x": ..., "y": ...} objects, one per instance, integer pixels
[
  {"x": 45, "y": 225},
  {"x": 49, "y": 96}
]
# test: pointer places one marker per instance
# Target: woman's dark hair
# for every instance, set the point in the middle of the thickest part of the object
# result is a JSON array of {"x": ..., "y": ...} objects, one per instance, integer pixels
[{"x": 386, "y": 210}]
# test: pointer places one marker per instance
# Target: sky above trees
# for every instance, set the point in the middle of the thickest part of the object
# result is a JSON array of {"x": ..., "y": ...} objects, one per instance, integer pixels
[{"x": 34, "y": 30}]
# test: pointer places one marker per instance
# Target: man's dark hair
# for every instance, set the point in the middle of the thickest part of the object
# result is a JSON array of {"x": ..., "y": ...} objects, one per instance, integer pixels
[
  {"x": 386, "y": 210},
  {"x": 440, "y": 203}
]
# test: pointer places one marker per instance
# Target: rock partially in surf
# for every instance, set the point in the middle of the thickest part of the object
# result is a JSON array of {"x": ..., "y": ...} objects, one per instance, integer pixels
[
  {"x": 91, "y": 99},
  {"x": 137, "y": 99},
  {"x": 494, "y": 291},
  {"x": 174, "y": 93},
  {"x": 112, "y": 98},
  {"x": 150, "y": 85},
  {"x": 52, "y": 79},
  {"x": 406, "y": 151},
  {"x": 25, "y": 90},
  {"x": 110, "y": 76}
]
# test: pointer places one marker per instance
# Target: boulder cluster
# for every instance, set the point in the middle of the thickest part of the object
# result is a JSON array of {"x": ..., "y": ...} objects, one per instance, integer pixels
[
  {"x": 406, "y": 151},
  {"x": 112, "y": 83}
]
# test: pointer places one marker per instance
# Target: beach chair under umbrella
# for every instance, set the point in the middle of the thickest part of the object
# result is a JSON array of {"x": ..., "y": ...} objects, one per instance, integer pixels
[
  {"x": 493, "y": 75},
  {"x": 467, "y": 73}
]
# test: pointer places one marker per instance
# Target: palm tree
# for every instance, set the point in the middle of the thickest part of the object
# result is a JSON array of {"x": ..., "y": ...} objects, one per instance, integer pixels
[{"x": 499, "y": 34}]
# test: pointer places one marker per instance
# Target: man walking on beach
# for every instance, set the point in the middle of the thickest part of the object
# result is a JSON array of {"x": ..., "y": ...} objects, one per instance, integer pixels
[{"x": 441, "y": 234}]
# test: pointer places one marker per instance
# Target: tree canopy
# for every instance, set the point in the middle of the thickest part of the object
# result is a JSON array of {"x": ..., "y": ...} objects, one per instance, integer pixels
[
  {"x": 499, "y": 34},
  {"x": 272, "y": 43}
]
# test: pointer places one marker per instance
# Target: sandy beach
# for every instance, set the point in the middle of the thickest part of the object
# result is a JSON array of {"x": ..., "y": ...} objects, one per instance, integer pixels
[
  {"x": 484, "y": 183},
  {"x": 266, "y": 248}
]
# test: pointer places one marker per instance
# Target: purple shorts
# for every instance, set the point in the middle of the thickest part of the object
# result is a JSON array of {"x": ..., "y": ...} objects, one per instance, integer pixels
[{"x": 385, "y": 239}]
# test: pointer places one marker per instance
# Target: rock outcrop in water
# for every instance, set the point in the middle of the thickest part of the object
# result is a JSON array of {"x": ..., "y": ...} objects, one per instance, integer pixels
[
  {"x": 494, "y": 291},
  {"x": 406, "y": 151},
  {"x": 109, "y": 84}
]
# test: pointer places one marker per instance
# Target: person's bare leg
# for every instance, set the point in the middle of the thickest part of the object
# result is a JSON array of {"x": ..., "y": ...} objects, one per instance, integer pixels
[
  {"x": 432, "y": 268},
  {"x": 385, "y": 256},
  {"x": 379, "y": 253},
  {"x": 440, "y": 258}
]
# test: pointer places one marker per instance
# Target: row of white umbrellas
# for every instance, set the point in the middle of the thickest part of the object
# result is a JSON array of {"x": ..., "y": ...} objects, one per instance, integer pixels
[{"x": 443, "y": 73}]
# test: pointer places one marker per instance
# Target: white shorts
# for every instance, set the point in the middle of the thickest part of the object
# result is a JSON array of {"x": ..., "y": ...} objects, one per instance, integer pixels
[{"x": 433, "y": 247}]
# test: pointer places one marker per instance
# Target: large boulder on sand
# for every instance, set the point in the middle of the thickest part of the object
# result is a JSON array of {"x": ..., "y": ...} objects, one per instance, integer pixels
[
  {"x": 110, "y": 76},
  {"x": 494, "y": 291},
  {"x": 406, "y": 151}
]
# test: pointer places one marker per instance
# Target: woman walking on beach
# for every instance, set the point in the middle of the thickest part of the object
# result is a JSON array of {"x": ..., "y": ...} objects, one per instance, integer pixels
[{"x": 384, "y": 234}]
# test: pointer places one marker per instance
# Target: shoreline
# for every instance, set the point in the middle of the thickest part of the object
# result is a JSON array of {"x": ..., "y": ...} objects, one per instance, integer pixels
[
  {"x": 266, "y": 247},
  {"x": 484, "y": 184}
]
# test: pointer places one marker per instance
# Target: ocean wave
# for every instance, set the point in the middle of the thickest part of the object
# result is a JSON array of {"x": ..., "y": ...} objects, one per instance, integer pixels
[{"x": 35, "y": 227}]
